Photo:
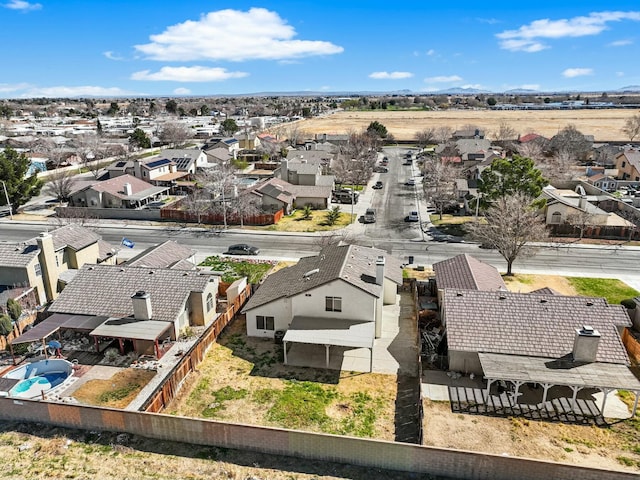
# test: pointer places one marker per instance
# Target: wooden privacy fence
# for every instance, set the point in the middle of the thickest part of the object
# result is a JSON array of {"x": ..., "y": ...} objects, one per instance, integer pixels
[
  {"x": 632, "y": 344},
  {"x": 176, "y": 214},
  {"x": 18, "y": 328},
  {"x": 167, "y": 390}
]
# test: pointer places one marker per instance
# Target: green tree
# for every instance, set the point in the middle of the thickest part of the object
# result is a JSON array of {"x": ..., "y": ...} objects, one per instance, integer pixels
[
  {"x": 307, "y": 212},
  {"x": 6, "y": 327},
  {"x": 333, "y": 215},
  {"x": 139, "y": 139},
  {"x": 491, "y": 101},
  {"x": 99, "y": 130},
  {"x": 507, "y": 176},
  {"x": 5, "y": 111},
  {"x": 113, "y": 109},
  {"x": 13, "y": 168},
  {"x": 204, "y": 110},
  {"x": 377, "y": 129},
  {"x": 14, "y": 309},
  {"x": 171, "y": 106},
  {"x": 229, "y": 126}
]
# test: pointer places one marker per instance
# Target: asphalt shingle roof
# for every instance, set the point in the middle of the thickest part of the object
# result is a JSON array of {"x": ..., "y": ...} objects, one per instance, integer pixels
[
  {"x": 530, "y": 324},
  {"x": 466, "y": 272},
  {"x": 107, "y": 290},
  {"x": 17, "y": 255},
  {"x": 163, "y": 255},
  {"x": 74, "y": 236},
  {"x": 351, "y": 263}
]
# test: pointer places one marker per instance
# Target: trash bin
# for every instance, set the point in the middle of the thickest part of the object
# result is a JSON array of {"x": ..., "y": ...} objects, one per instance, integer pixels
[
  {"x": 410, "y": 259},
  {"x": 278, "y": 335}
]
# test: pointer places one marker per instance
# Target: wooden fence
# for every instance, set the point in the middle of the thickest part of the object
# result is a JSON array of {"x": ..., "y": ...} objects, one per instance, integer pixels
[
  {"x": 175, "y": 214},
  {"x": 632, "y": 344},
  {"x": 167, "y": 391},
  {"x": 18, "y": 328}
]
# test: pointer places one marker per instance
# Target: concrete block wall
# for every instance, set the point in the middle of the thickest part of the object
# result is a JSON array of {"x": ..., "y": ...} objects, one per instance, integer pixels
[{"x": 356, "y": 451}]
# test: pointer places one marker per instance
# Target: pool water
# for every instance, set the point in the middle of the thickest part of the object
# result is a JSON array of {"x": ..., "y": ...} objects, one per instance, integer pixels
[{"x": 51, "y": 380}]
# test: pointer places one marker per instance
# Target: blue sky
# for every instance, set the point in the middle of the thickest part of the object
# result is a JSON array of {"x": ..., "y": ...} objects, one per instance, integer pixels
[{"x": 150, "y": 48}]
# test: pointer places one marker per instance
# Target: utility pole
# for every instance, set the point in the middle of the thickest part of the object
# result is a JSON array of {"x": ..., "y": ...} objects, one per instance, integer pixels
[{"x": 6, "y": 196}]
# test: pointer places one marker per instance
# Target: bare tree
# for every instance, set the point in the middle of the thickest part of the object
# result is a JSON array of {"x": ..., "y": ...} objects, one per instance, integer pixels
[
  {"x": 443, "y": 134},
  {"x": 558, "y": 167},
  {"x": 581, "y": 220},
  {"x": 198, "y": 203},
  {"x": 75, "y": 215},
  {"x": 440, "y": 183},
  {"x": 61, "y": 184},
  {"x": 512, "y": 223},
  {"x": 425, "y": 137},
  {"x": 89, "y": 149},
  {"x": 175, "y": 134},
  {"x": 571, "y": 142},
  {"x": 633, "y": 217},
  {"x": 55, "y": 152},
  {"x": 245, "y": 207},
  {"x": 505, "y": 136},
  {"x": 220, "y": 182},
  {"x": 336, "y": 237},
  {"x": 632, "y": 127},
  {"x": 532, "y": 150}
]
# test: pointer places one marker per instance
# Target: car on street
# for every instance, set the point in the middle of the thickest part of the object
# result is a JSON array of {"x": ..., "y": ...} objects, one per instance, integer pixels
[
  {"x": 370, "y": 216},
  {"x": 242, "y": 249},
  {"x": 378, "y": 185},
  {"x": 411, "y": 182},
  {"x": 412, "y": 217},
  {"x": 381, "y": 169}
]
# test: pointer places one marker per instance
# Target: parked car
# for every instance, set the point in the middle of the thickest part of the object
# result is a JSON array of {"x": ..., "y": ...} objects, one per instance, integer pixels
[
  {"x": 411, "y": 182},
  {"x": 381, "y": 169},
  {"x": 412, "y": 217},
  {"x": 378, "y": 185},
  {"x": 242, "y": 249},
  {"x": 370, "y": 216}
]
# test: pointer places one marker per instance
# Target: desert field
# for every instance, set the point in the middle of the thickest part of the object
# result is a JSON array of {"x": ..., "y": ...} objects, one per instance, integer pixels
[{"x": 604, "y": 125}]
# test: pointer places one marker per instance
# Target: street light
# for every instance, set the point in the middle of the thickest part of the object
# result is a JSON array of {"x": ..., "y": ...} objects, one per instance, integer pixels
[{"x": 6, "y": 196}]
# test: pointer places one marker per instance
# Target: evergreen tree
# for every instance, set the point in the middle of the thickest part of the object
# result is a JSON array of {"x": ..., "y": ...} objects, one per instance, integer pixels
[{"x": 13, "y": 170}]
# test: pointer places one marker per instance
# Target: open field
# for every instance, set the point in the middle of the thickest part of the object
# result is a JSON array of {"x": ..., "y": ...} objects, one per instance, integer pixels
[{"x": 604, "y": 125}]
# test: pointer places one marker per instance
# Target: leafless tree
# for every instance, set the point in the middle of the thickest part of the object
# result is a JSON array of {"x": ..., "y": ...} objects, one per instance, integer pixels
[
  {"x": 440, "y": 183},
  {"x": 353, "y": 171},
  {"x": 581, "y": 220},
  {"x": 175, "y": 134},
  {"x": 512, "y": 223},
  {"x": 571, "y": 142},
  {"x": 425, "y": 137},
  {"x": 532, "y": 150},
  {"x": 75, "y": 215},
  {"x": 55, "y": 152},
  {"x": 245, "y": 206},
  {"x": 633, "y": 217},
  {"x": 632, "y": 127},
  {"x": 336, "y": 237},
  {"x": 558, "y": 167},
  {"x": 505, "y": 136},
  {"x": 219, "y": 181},
  {"x": 443, "y": 134},
  {"x": 61, "y": 184},
  {"x": 198, "y": 203},
  {"x": 90, "y": 150}
]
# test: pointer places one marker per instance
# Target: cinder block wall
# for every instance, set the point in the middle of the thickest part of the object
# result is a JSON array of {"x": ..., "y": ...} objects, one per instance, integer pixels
[{"x": 357, "y": 451}]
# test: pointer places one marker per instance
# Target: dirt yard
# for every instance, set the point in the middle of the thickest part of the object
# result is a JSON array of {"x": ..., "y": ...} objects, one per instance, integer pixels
[
  {"x": 604, "y": 125},
  {"x": 244, "y": 380},
  {"x": 528, "y": 283},
  {"x": 115, "y": 392}
]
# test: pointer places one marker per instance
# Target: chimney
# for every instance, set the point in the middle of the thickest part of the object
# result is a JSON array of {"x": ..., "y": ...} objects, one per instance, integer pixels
[
  {"x": 284, "y": 169},
  {"x": 128, "y": 191},
  {"x": 585, "y": 344},
  {"x": 47, "y": 259},
  {"x": 380, "y": 270},
  {"x": 141, "y": 305},
  {"x": 582, "y": 203}
]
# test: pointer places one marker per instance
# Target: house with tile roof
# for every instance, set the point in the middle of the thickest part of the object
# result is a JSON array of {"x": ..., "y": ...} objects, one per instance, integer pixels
[
  {"x": 538, "y": 337},
  {"x": 331, "y": 299},
  {"x": 275, "y": 194},
  {"x": 44, "y": 262},
  {"x": 141, "y": 305},
  {"x": 168, "y": 254},
  {"x": 187, "y": 160},
  {"x": 628, "y": 165},
  {"x": 125, "y": 191}
]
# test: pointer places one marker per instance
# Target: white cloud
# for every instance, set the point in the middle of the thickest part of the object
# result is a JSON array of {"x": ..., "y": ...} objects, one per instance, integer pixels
[
  {"x": 577, "y": 72},
  {"x": 431, "y": 52},
  {"x": 528, "y": 38},
  {"x": 112, "y": 56},
  {"x": 81, "y": 91},
  {"x": 619, "y": 74},
  {"x": 182, "y": 91},
  {"x": 443, "y": 79},
  {"x": 390, "y": 75},
  {"x": 188, "y": 74},
  {"x": 22, "y": 5},
  {"x": 8, "y": 87},
  {"x": 233, "y": 35},
  {"x": 490, "y": 21},
  {"x": 620, "y": 43}
]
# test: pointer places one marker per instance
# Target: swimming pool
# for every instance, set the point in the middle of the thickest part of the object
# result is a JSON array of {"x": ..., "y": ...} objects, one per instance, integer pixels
[{"x": 40, "y": 377}]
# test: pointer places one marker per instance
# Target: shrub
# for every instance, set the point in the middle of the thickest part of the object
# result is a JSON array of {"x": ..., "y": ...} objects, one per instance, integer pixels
[
  {"x": 14, "y": 309},
  {"x": 6, "y": 327}
]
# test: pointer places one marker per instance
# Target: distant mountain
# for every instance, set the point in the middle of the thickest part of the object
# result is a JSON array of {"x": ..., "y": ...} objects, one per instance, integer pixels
[
  {"x": 521, "y": 91},
  {"x": 460, "y": 91},
  {"x": 630, "y": 88}
]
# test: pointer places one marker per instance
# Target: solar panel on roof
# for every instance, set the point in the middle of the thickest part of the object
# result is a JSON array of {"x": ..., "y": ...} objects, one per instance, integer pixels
[
  {"x": 158, "y": 163},
  {"x": 120, "y": 164}
]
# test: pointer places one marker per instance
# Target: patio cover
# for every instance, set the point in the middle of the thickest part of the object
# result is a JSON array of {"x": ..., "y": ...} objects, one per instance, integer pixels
[
  {"x": 558, "y": 372},
  {"x": 42, "y": 330},
  {"x": 331, "y": 331},
  {"x": 131, "y": 329}
]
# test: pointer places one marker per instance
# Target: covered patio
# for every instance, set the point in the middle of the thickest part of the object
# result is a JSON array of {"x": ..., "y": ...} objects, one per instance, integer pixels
[
  {"x": 144, "y": 334},
  {"x": 331, "y": 332},
  {"x": 548, "y": 373}
]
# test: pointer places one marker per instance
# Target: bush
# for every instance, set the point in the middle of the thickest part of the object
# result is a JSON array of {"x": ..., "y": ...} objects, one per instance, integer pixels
[
  {"x": 14, "y": 309},
  {"x": 6, "y": 327}
]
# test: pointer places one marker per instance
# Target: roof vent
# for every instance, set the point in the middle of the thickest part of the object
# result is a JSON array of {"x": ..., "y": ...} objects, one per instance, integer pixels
[
  {"x": 458, "y": 294},
  {"x": 587, "y": 330},
  {"x": 151, "y": 272},
  {"x": 590, "y": 304},
  {"x": 543, "y": 300},
  {"x": 90, "y": 268},
  {"x": 502, "y": 297}
]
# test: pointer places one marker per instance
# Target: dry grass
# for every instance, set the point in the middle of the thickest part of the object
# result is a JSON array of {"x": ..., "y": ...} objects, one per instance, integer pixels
[
  {"x": 241, "y": 378},
  {"x": 317, "y": 222},
  {"x": 116, "y": 392},
  {"x": 602, "y": 124},
  {"x": 528, "y": 283}
]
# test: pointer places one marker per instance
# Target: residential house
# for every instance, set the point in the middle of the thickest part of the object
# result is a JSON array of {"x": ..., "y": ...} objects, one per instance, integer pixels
[
  {"x": 275, "y": 194},
  {"x": 628, "y": 165},
  {"x": 139, "y": 306},
  {"x": 468, "y": 133},
  {"x": 331, "y": 299},
  {"x": 125, "y": 191},
  {"x": 306, "y": 168},
  {"x": 45, "y": 263},
  {"x": 604, "y": 182},
  {"x": 186, "y": 160},
  {"x": 335, "y": 139},
  {"x": 248, "y": 141},
  {"x": 168, "y": 254},
  {"x": 535, "y": 338},
  {"x": 232, "y": 145}
]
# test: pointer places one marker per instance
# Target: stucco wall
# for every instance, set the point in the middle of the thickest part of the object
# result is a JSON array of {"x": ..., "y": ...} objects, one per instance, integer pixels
[
  {"x": 464, "y": 362},
  {"x": 279, "y": 309},
  {"x": 356, "y": 304}
]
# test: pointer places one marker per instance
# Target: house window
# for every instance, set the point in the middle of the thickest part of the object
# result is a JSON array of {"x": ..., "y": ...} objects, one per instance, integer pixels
[
  {"x": 264, "y": 323},
  {"x": 38, "y": 270},
  {"x": 556, "y": 218},
  {"x": 624, "y": 164},
  {"x": 209, "y": 302},
  {"x": 333, "y": 304}
]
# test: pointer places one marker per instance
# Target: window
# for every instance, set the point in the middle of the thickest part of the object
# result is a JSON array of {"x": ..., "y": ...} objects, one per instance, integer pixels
[
  {"x": 209, "y": 302},
  {"x": 264, "y": 323},
  {"x": 333, "y": 304},
  {"x": 556, "y": 218},
  {"x": 624, "y": 164},
  {"x": 38, "y": 270}
]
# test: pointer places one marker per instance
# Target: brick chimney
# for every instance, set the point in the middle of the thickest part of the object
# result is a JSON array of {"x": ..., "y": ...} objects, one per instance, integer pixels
[
  {"x": 141, "y": 305},
  {"x": 585, "y": 344}
]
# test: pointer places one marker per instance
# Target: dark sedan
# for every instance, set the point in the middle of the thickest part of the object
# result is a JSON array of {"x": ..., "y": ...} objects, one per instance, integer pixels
[{"x": 242, "y": 249}]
